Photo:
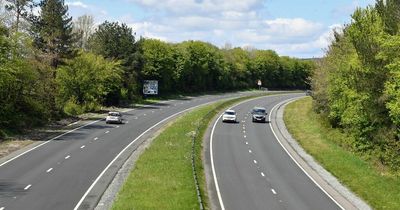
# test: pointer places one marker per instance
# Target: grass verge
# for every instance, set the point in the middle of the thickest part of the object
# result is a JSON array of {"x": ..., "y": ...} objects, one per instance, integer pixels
[
  {"x": 322, "y": 142},
  {"x": 162, "y": 178}
]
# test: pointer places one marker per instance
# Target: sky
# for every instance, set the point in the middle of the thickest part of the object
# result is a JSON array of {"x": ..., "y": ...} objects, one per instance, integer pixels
[{"x": 292, "y": 28}]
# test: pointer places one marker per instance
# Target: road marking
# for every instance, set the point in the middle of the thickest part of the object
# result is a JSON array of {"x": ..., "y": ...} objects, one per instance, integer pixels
[
  {"x": 129, "y": 145},
  {"x": 290, "y": 155},
  {"x": 107, "y": 132},
  {"x": 83, "y": 146},
  {"x": 2, "y": 208},
  {"x": 152, "y": 111},
  {"x": 27, "y": 187},
  {"x": 117, "y": 126},
  {"x": 255, "y": 161},
  {"x": 245, "y": 136},
  {"x": 243, "y": 121},
  {"x": 48, "y": 170},
  {"x": 96, "y": 138},
  {"x": 144, "y": 114},
  {"x": 273, "y": 191},
  {"x": 74, "y": 123},
  {"x": 262, "y": 174},
  {"x": 250, "y": 151},
  {"x": 128, "y": 121},
  {"x": 67, "y": 157},
  {"x": 244, "y": 131},
  {"x": 247, "y": 142},
  {"x": 46, "y": 142}
]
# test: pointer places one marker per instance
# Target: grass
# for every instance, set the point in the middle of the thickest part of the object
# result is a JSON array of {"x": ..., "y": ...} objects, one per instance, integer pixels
[
  {"x": 162, "y": 178},
  {"x": 380, "y": 190}
]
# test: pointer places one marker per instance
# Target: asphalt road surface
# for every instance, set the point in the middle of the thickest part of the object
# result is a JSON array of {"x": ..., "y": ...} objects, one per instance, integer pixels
[
  {"x": 253, "y": 171},
  {"x": 59, "y": 173}
]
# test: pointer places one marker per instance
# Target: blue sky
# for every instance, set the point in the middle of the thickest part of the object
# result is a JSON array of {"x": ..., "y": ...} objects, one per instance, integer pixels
[{"x": 290, "y": 27}]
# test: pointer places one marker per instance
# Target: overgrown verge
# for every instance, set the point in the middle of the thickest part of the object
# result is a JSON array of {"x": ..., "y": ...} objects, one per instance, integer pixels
[
  {"x": 328, "y": 146},
  {"x": 162, "y": 178}
]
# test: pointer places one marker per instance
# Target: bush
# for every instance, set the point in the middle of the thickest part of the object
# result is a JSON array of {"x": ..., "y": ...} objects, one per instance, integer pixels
[{"x": 72, "y": 108}]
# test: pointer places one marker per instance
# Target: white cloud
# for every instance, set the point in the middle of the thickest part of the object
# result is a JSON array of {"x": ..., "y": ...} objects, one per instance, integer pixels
[{"x": 77, "y": 4}]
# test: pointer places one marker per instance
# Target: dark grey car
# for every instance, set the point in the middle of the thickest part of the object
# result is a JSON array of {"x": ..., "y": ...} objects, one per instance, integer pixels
[{"x": 259, "y": 114}]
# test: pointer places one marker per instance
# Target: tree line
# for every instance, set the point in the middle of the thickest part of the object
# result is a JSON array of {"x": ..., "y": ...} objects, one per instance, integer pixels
[
  {"x": 357, "y": 84},
  {"x": 52, "y": 65}
]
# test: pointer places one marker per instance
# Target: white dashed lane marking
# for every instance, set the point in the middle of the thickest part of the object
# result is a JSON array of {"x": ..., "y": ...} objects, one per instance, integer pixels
[
  {"x": 48, "y": 170},
  {"x": 247, "y": 142},
  {"x": 2, "y": 208},
  {"x": 96, "y": 138},
  {"x": 107, "y": 132},
  {"x": 117, "y": 126},
  {"x": 255, "y": 161},
  {"x": 27, "y": 187},
  {"x": 250, "y": 151},
  {"x": 83, "y": 146},
  {"x": 245, "y": 136},
  {"x": 262, "y": 174},
  {"x": 273, "y": 191},
  {"x": 67, "y": 157}
]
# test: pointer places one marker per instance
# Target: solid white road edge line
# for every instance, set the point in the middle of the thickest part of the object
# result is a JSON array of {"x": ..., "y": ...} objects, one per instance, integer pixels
[
  {"x": 130, "y": 144},
  {"x": 284, "y": 148},
  {"x": 11, "y": 159}
]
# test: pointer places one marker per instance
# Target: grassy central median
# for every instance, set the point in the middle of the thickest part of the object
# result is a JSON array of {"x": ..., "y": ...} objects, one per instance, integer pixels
[
  {"x": 162, "y": 178},
  {"x": 321, "y": 141}
]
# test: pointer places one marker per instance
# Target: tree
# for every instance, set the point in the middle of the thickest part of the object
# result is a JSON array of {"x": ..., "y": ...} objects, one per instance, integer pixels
[
  {"x": 52, "y": 32},
  {"x": 158, "y": 63},
  {"x": 389, "y": 10},
  {"x": 86, "y": 81},
  {"x": 20, "y": 9},
  {"x": 115, "y": 41},
  {"x": 83, "y": 27},
  {"x": 199, "y": 66}
]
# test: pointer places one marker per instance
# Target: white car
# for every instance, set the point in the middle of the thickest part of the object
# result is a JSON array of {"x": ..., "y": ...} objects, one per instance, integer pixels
[
  {"x": 229, "y": 116},
  {"x": 114, "y": 117}
]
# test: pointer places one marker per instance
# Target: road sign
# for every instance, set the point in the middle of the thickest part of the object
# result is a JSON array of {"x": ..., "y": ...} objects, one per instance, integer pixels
[
  {"x": 259, "y": 83},
  {"x": 150, "y": 87}
]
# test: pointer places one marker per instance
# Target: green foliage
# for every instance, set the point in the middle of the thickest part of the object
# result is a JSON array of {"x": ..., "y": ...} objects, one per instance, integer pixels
[
  {"x": 357, "y": 83},
  {"x": 72, "y": 108},
  {"x": 20, "y": 96},
  {"x": 52, "y": 32},
  {"x": 158, "y": 63},
  {"x": 87, "y": 80},
  {"x": 115, "y": 41}
]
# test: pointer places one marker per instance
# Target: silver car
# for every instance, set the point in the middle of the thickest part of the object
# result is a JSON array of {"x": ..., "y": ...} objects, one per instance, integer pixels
[
  {"x": 114, "y": 117},
  {"x": 259, "y": 114}
]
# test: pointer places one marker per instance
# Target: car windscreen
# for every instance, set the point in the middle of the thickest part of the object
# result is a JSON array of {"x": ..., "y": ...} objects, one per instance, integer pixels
[
  {"x": 230, "y": 113},
  {"x": 114, "y": 114},
  {"x": 259, "y": 111}
]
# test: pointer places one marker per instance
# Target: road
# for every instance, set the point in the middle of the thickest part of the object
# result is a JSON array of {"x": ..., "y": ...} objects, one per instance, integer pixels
[
  {"x": 60, "y": 173},
  {"x": 251, "y": 170}
]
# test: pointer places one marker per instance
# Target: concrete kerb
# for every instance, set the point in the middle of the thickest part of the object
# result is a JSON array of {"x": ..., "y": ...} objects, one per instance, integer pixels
[{"x": 326, "y": 180}]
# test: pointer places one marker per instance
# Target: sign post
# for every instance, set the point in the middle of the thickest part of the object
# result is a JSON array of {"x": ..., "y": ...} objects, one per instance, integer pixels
[{"x": 259, "y": 83}]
